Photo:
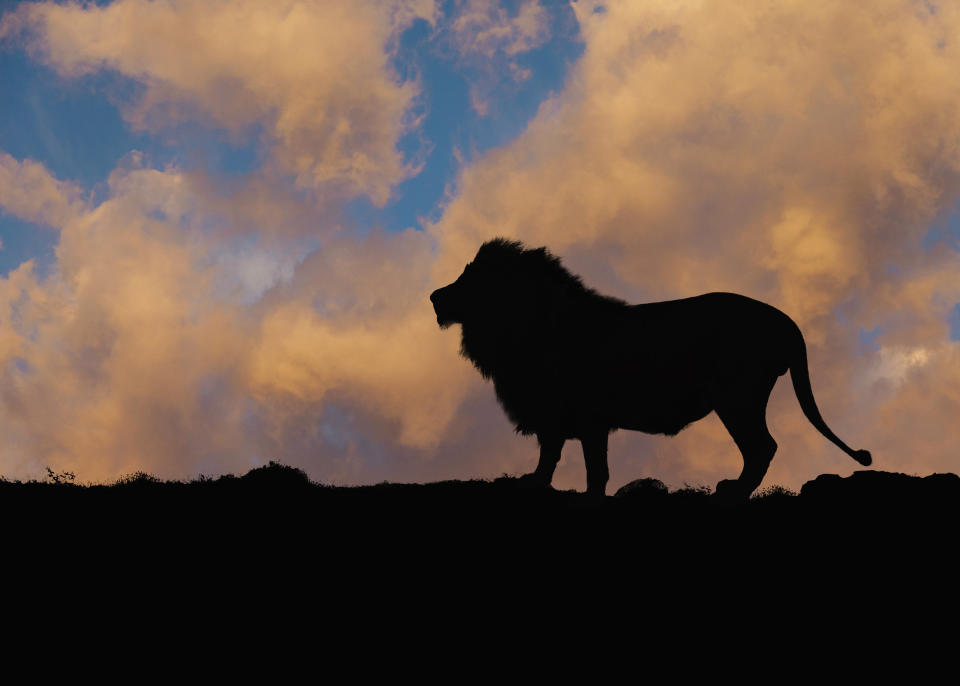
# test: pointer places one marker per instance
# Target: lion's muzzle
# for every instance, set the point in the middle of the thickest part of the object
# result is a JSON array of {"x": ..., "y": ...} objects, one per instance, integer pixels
[{"x": 444, "y": 305}]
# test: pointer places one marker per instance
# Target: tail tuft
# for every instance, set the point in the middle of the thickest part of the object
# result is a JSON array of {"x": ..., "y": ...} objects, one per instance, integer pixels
[{"x": 863, "y": 457}]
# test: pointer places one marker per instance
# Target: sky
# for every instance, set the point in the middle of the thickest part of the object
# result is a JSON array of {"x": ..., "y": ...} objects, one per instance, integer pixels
[{"x": 221, "y": 221}]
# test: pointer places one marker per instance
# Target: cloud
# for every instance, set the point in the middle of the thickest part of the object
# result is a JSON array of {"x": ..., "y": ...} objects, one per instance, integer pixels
[
  {"x": 190, "y": 326},
  {"x": 370, "y": 338},
  {"x": 315, "y": 75},
  {"x": 893, "y": 364},
  {"x": 28, "y": 191},
  {"x": 796, "y": 153},
  {"x": 136, "y": 352},
  {"x": 485, "y": 27}
]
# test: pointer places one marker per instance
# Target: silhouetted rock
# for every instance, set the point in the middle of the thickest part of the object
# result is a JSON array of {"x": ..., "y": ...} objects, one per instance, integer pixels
[
  {"x": 884, "y": 488},
  {"x": 276, "y": 475},
  {"x": 643, "y": 489}
]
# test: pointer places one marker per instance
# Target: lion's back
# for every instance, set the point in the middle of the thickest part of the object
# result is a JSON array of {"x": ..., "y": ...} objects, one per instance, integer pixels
[{"x": 713, "y": 330}]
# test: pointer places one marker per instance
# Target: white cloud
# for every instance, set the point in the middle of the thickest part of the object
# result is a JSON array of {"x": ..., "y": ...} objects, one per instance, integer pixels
[{"x": 485, "y": 27}]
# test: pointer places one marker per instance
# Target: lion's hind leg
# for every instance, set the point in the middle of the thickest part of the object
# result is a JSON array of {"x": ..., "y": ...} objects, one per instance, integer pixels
[{"x": 743, "y": 413}]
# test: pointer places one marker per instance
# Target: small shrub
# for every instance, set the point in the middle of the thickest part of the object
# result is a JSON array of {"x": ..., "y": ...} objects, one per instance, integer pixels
[
  {"x": 63, "y": 477},
  {"x": 775, "y": 491},
  {"x": 698, "y": 490},
  {"x": 137, "y": 478}
]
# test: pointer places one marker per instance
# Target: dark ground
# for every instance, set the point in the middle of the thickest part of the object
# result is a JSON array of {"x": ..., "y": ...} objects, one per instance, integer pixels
[
  {"x": 277, "y": 503},
  {"x": 548, "y": 566}
]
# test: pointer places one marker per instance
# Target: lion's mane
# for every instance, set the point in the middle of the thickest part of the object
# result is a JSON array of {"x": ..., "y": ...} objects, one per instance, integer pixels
[{"x": 531, "y": 332}]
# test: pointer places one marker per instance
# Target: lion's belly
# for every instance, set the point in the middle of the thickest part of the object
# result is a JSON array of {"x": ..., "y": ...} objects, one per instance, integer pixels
[
  {"x": 656, "y": 400},
  {"x": 572, "y": 418},
  {"x": 619, "y": 392},
  {"x": 660, "y": 420}
]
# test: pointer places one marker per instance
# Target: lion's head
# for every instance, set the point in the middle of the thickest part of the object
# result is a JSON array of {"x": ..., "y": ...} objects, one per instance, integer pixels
[
  {"x": 504, "y": 281},
  {"x": 509, "y": 300}
]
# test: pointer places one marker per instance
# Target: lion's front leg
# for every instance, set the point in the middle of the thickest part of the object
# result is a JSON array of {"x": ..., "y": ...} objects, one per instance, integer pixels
[{"x": 550, "y": 450}]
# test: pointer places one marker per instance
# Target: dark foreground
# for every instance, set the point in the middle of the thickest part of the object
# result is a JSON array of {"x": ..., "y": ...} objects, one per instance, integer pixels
[
  {"x": 867, "y": 545},
  {"x": 276, "y": 504}
]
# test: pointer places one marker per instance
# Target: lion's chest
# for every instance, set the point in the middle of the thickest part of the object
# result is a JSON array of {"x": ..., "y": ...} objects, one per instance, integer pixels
[{"x": 534, "y": 400}]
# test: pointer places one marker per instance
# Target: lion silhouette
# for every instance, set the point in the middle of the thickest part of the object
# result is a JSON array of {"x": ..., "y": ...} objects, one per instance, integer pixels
[{"x": 569, "y": 363}]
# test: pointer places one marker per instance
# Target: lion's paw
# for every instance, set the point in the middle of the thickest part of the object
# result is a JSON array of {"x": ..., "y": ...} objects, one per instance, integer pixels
[
  {"x": 533, "y": 480},
  {"x": 731, "y": 490}
]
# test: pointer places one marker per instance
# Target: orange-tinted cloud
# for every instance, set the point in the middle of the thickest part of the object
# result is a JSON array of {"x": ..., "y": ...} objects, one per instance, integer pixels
[
  {"x": 28, "y": 191},
  {"x": 136, "y": 352},
  {"x": 795, "y": 152}
]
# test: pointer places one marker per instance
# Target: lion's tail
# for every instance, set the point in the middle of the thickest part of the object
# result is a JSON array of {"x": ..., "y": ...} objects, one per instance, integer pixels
[{"x": 800, "y": 375}]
